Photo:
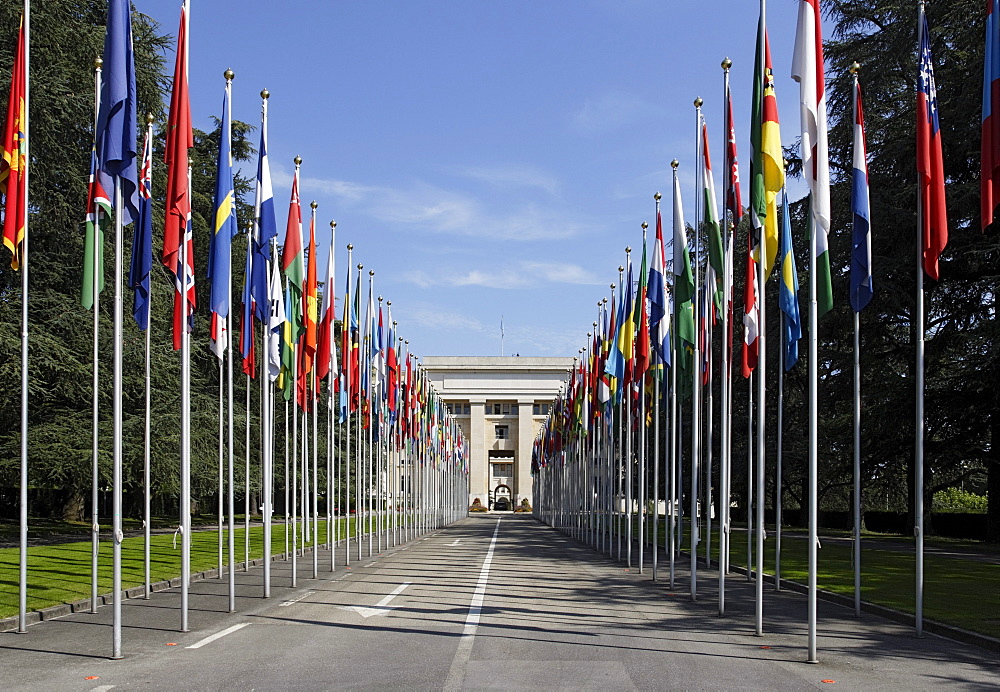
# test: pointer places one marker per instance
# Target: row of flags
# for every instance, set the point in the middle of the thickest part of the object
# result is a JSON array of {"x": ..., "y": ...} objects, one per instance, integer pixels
[
  {"x": 773, "y": 230},
  {"x": 372, "y": 373}
]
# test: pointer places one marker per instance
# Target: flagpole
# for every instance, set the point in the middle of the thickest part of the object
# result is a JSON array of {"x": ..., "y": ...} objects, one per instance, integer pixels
[
  {"x": 95, "y": 291},
  {"x": 185, "y": 473},
  {"x": 724, "y": 421},
  {"x": 116, "y": 515},
  {"x": 346, "y": 359},
  {"x": 22, "y": 620},
  {"x": 918, "y": 474},
  {"x": 146, "y": 464},
  {"x": 312, "y": 397},
  {"x": 358, "y": 466},
  {"x": 246, "y": 472},
  {"x": 696, "y": 367},
  {"x": 779, "y": 448},
  {"x": 266, "y": 390},
  {"x": 370, "y": 484},
  {"x": 855, "y": 67}
]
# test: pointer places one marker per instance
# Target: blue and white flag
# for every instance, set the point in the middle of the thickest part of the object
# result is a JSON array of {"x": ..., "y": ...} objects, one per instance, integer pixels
[{"x": 861, "y": 250}]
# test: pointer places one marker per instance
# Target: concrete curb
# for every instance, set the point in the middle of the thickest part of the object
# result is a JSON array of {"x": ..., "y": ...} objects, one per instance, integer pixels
[{"x": 33, "y": 617}]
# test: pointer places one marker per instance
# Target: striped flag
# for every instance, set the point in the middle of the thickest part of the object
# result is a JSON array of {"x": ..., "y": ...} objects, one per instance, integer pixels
[
  {"x": 98, "y": 214},
  {"x": 292, "y": 263},
  {"x": 930, "y": 160},
  {"x": 715, "y": 252},
  {"x": 788, "y": 290},
  {"x": 767, "y": 169},
  {"x": 141, "y": 265},
  {"x": 990, "y": 176},
  {"x": 750, "y": 294},
  {"x": 861, "y": 249},
  {"x": 326, "y": 358},
  {"x": 275, "y": 325},
  {"x": 659, "y": 315},
  {"x": 265, "y": 225},
  {"x": 808, "y": 71}
]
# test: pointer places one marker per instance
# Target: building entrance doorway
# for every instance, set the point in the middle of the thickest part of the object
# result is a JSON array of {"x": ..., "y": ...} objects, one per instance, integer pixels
[{"x": 502, "y": 501}]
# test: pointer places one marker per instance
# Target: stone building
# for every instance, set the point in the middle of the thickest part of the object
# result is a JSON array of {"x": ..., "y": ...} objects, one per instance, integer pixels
[{"x": 500, "y": 403}]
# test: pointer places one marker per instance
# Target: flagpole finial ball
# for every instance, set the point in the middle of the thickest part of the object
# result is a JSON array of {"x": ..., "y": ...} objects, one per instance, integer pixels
[
  {"x": 360, "y": 266},
  {"x": 98, "y": 62},
  {"x": 350, "y": 247},
  {"x": 594, "y": 323},
  {"x": 313, "y": 204},
  {"x": 605, "y": 301},
  {"x": 371, "y": 272},
  {"x": 297, "y": 160},
  {"x": 380, "y": 297},
  {"x": 149, "y": 118},
  {"x": 628, "y": 250},
  {"x": 657, "y": 196},
  {"x": 612, "y": 285},
  {"x": 407, "y": 342},
  {"x": 698, "y": 102},
  {"x": 229, "y": 74},
  {"x": 265, "y": 94},
  {"x": 674, "y": 164},
  {"x": 645, "y": 225},
  {"x": 726, "y": 63},
  {"x": 855, "y": 67},
  {"x": 333, "y": 224}
]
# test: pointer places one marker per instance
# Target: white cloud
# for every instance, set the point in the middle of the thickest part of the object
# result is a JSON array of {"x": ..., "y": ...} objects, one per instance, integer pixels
[
  {"x": 523, "y": 275},
  {"x": 513, "y": 176},
  {"x": 424, "y": 207},
  {"x": 611, "y": 111}
]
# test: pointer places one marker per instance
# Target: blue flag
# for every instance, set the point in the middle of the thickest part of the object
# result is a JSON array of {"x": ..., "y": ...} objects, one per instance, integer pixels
[
  {"x": 788, "y": 290},
  {"x": 142, "y": 239},
  {"x": 266, "y": 228},
  {"x": 116, "y": 119},
  {"x": 224, "y": 227}
]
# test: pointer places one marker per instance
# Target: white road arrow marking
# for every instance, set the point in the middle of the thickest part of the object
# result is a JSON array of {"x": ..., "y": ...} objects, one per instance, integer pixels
[
  {"x": 455, "y": 542},
  {"x": 380, "y": 608}
]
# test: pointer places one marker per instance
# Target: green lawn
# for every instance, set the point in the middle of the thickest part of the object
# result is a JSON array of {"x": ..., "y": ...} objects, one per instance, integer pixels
[
  {"x": 957, "y": 591},
  {"x": 61, "y": 573}
]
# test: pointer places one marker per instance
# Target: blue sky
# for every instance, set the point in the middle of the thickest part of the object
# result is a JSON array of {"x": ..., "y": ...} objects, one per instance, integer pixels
[{"x": 487, "y": 159}]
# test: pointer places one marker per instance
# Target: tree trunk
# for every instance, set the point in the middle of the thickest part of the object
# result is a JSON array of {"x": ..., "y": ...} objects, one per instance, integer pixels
[{"x": 72, "y": 509}]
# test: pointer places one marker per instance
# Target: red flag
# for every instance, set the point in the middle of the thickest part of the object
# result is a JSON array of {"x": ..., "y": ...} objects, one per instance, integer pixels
[
  {"x": 930, "y": 161},
  {"x": 13, "y": 162},
  {"x": 176, "y": 226}
]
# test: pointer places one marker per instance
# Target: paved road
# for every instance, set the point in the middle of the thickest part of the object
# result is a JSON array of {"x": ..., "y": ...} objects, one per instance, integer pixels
[{"x": 487, "y": 603}]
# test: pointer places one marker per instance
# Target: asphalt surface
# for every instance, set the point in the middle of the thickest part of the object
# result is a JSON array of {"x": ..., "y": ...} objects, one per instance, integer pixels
[{"x": 487, "y": 603}]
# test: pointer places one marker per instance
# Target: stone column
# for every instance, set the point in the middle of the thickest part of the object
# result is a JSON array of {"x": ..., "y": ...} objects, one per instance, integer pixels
[
  {"x": 478, "y": 464},
  {"x": 522, "y": 462}
]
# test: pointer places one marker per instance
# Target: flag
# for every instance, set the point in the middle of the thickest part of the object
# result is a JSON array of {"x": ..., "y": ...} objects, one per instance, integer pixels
[
  {"x": 683, "y": 293},
  {"x": 788, "y": 290},
  {"x": 642, "y": 346},
  {"x": 808, "y": 71},
  {"x": 354, "y": 360},
  {"x": 265, "y": 225},
  {"x": 13, "y": 165},
  {"x": 98, "y": 213},
  {"x": 327, "y": 360},
  {"x": 861, "y": 249},
  {"x": 626, "y": 333},
  {"x": 734, "y": 199},
  {"x": 218, "y": 334},
  {"x": 346, "y": 372},
  {"x": 116, "y": 119},
  {"x": 930, "y": 161},
  {"x": 141, "y": 265},
  {"x": 224, "y": 227},
  {"x": 310, "y": 307},
  {"x": 391, "y": 367},
  {"x": 247, "y": 346},
  {"x": 767, "y": 168},
  {"x": 750, "y": 294},
  {"x": 989, "y": 178},
  {"x": 658, "y": 307},
  {"x": 177, "y": 212},
  {"x": 291, "y": 258},
  {"x": 275, "y": 325},
  {"x": 715, "y": 251},
  {"x": 288, "y": 348}
]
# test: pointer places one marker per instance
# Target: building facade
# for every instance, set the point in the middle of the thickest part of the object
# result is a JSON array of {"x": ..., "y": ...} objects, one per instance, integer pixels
[{"x": 500, "y": 404}]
